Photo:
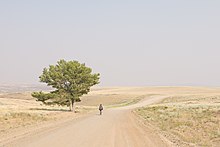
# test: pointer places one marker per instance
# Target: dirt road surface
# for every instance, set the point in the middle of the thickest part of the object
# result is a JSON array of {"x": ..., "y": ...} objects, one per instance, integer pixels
[{"x": 117, "y": 127}]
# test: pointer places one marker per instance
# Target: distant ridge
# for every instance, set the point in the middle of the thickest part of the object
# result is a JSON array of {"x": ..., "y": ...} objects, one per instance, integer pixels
[{"x": 12, "y": 88}]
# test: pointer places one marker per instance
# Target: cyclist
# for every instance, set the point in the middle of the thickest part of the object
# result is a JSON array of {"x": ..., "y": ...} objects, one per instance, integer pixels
[{"x": 100, "y": 109}]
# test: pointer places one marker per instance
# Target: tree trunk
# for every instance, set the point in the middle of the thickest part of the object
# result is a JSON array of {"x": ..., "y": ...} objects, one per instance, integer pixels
[{"x": 71, "y": 105}]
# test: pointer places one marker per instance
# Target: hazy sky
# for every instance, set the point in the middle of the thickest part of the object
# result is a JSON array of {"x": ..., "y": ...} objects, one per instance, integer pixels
[{"x": 131, "y": 43}]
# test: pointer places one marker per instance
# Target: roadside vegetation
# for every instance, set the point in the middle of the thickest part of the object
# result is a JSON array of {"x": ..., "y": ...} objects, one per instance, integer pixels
[
  {"x": 186, "y": 120},
  {"x": 17, "y": 119}
]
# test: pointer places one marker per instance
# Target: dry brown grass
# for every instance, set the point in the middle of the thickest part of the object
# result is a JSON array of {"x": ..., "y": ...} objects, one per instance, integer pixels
[
  {"x": 193, "y": 119},
  {"x": 19, "y": 110}
]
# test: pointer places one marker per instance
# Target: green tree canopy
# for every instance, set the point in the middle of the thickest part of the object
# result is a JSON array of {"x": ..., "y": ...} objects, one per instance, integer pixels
[{"x": 70, "y": 79}]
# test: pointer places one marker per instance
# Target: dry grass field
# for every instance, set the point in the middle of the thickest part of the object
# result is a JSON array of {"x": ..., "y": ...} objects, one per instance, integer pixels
[
  {"x": 18, "y": 110},
  {"x": 188, "y": 120}
]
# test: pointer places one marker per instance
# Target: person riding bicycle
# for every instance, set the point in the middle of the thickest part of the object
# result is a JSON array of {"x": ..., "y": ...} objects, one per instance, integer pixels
[{"x": 100, "y": 109}]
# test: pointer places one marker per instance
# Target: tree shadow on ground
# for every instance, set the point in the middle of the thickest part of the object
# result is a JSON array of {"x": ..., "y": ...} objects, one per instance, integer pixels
[{"x": 50, "y": 109}]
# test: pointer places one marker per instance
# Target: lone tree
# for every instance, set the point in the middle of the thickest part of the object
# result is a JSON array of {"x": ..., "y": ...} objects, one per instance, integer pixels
[{"x": 70, "y": 79}]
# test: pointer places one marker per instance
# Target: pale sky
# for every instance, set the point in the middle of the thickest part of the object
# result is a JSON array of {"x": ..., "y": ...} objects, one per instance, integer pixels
[{"x": 129, "y": 42}]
